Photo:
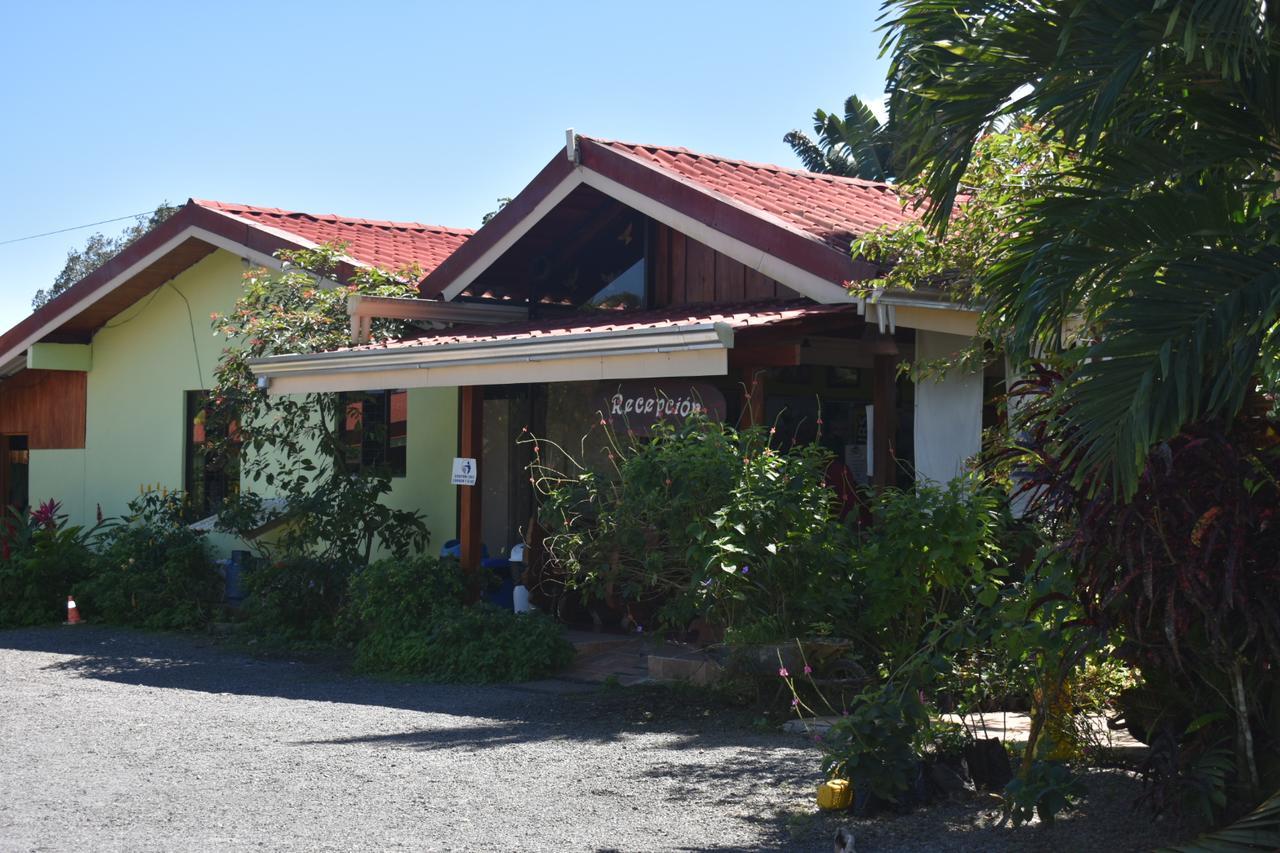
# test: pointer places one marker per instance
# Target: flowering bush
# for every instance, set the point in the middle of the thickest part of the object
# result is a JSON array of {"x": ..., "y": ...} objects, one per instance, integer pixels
[{"x": 42, "y": 558}]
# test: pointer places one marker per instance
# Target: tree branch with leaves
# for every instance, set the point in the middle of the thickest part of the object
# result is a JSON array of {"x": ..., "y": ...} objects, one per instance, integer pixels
[{"x": 293, "y": 445}]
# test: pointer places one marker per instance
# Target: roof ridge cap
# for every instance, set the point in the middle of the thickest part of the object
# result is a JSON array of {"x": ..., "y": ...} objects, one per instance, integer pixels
[
  {"x": 337, "y": 218},
  {"x": 768, "y": 167}
]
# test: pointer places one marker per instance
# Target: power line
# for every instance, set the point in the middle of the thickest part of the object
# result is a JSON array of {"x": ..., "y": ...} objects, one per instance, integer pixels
[{"x": 74, "y": 228}]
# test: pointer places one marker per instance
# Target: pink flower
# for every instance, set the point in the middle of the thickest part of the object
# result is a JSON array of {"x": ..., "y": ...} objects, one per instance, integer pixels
[
  {"x": 783, "y": 672},
  {"x": 47, "y": 515},
  {"x": 795, "y": 702},
  {"x": 808, "y": 670}
]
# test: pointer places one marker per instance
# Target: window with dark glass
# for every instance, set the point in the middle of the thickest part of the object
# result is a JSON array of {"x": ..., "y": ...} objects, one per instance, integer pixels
[
  {"x": 625, "y": 292},
  {"x": 212, "y": 461},
  {"x": 13, "y": 472},
  {"x": 375, "y": 430},
  {"x": 601, "y": 269}
]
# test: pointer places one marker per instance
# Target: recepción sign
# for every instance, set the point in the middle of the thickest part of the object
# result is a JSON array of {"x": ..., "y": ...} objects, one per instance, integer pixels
[
  {"x": 464, "y": 472},
  {"x": 638, "y": 405}
]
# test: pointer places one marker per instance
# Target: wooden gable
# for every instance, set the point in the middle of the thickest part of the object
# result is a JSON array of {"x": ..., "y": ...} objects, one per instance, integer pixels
[
  {"x": 47, "y": 406},
  {"x": 686, "y": 272}
]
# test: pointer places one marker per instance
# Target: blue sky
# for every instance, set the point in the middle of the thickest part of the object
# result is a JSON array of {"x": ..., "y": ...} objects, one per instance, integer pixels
[{"x": 406, "y": 111}]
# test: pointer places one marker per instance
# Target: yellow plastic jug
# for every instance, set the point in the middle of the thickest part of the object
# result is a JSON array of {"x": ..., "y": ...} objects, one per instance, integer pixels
[{"x": 835, "y": 794}]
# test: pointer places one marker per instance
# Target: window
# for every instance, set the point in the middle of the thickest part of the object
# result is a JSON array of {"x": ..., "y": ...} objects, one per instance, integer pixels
[
  {"x": 624, "y": 293},
  {"x": 13, "y": 471},
  {"x": 212, "y": 464},
  {"x": 375, "y": 430}
]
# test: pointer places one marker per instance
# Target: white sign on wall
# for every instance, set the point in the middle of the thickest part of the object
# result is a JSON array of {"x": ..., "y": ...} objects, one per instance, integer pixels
[{"x": 464, "y": 472}]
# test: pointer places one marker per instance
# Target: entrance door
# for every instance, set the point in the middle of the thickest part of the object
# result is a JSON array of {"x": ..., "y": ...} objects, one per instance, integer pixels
[{"x": 507, "y": 497}]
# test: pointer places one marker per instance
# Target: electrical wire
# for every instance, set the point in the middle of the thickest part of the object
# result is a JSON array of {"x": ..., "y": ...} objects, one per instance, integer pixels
[
  {"x": 191, "y": 321},
  {"x": 73, "y": 228}
]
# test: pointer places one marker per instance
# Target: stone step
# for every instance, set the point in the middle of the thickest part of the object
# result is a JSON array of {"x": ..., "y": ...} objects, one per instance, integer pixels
[{"x": 693, "y": 667}]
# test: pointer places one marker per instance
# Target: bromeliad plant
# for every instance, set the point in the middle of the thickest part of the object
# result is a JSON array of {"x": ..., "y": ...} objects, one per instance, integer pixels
[{"x": 42, "y": 558}]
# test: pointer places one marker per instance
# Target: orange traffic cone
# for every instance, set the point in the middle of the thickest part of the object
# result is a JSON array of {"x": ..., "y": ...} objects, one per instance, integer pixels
[{"x": 73, "y": 613}]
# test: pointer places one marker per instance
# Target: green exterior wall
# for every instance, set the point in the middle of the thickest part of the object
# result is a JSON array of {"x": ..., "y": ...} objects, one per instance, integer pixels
[
  {"x": 143, "y": 363},
  {"x": 59, "y": 474},
  {"x": 60, "y": 357}
]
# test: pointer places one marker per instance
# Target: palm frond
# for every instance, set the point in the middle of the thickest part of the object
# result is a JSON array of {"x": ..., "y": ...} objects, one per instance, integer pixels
[
  {"x": 1255, "y": 832},
  {"x": 807, "y": 150},
  {"x": 1159, "y": 232}
]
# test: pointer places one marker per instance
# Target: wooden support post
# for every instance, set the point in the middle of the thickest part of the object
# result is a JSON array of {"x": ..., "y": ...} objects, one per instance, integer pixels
[
  {"x": 884, "y": 398},
  {"x": 471, "y": 432},
  {"x": 753, "y": 402}
]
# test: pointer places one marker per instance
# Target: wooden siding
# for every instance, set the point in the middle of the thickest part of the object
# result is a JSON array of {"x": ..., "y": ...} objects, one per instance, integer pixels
[
  {"x": 687, "y": 272},
  {"x": 47, "y": 406}
]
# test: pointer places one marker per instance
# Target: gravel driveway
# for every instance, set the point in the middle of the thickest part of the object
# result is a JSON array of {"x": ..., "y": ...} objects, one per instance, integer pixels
[
  {"x": 113, "y": 740},
  {"x": 120, "y": 740}
]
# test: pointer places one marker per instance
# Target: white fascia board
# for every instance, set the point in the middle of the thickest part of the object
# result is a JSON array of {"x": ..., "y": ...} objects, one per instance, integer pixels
[
  {"x": 693, "y": 335},
  {"x": 13, "y": 365},
  {"x": 216, "y": 240},
  {"x": 928, "y": 318},
  {"x": 582, "y": 355},
  {"x": 498, "y": 249},
  {"x": 572, "y": 368}
]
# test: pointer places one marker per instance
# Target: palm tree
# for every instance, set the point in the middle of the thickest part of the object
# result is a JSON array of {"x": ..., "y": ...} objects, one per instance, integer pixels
[
  {"x": 1162, "y": 231},
  {"x": 1159, "y": 236},
  {"x": 854, "y": 146}
]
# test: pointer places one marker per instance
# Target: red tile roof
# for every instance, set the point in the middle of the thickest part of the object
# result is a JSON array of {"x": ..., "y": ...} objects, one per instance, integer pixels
[
  {"x": 751, "y": 315},
  {"x": 76, "y": 313},
  {"x": 389, "y": 245},
  {"x": 833, "y": 209},
  {"x": 802, "y": 218}
]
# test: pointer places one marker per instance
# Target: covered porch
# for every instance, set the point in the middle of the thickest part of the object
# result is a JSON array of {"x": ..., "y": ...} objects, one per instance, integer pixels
[{"x": 792, "y": 365}]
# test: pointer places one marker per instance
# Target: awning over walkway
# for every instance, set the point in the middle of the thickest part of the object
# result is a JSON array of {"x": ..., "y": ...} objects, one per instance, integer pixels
[{"x": 673, "y": 341}]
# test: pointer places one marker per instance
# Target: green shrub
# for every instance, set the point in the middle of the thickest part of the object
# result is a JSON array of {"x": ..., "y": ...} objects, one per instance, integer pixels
[
  {"x": 1044, "y": 790},
  {"x": 878, "y": 744},
  {"x": 704, "y": 519},
  {"x": 154, "y": 571},
  {"x": 293, "y": 602},
  {"x": 408, "y": 617},
  {"x": 475, "y": 644},
  {"x": 930, "y": 557},
  {"x": 42, "y": 559},
  {"x": 400, "y": 595}
]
